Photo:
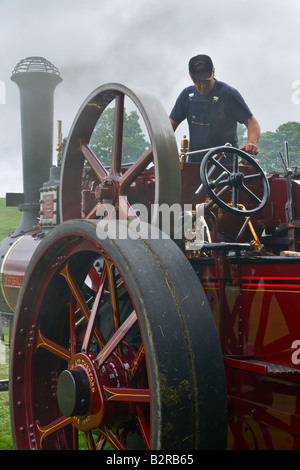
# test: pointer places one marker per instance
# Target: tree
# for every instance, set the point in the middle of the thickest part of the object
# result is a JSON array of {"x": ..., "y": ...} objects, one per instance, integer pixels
[
  {"x": 134, "y": 143},
  {"x": 270, "y": 143}
]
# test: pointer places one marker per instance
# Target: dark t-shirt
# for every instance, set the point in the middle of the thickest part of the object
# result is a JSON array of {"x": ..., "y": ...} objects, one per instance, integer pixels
[{"x": 212, "y": 118}]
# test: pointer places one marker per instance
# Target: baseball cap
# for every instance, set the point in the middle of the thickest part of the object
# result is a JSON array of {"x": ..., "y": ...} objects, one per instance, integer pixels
[{"x": 201, "y": 67}]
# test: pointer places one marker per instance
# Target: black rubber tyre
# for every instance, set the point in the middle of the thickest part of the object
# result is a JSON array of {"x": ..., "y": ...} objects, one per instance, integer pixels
[{"x": 159, "y": 377}]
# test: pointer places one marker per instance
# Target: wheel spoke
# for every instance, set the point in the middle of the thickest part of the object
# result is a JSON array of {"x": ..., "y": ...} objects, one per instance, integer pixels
[
  {"x": 116, "y": 163},
  {"x": 135, "y": 170},
  {"x": 90, "y": 440},
  {"x": 72, "y": 328},
  {"x": 251, "y": 194},
  {"x": 135, "y": 395},
  {"x": 115, "y": 340},
  {"x": 235, "y": 192},
  {"x": 125, "y": 209},
  {"x": 143, "y": 427},
  {"x": 52, "y": 346},
  {"x": 94, "y": 312},
  {"x": 139, "y": 357},
  {"x": 112, "y": 438},
  {"x": 252, "y": 177},
  {"x": 96, "y": 165},
  {"x": 75, "y": 290},
  {"x": 54, "y": 426},
  {"x": 113, "y": 294},
  {"x": 100, "y": 442},
  {"x": 218, "y": 164},
  {"x": 235, "y": 163}
]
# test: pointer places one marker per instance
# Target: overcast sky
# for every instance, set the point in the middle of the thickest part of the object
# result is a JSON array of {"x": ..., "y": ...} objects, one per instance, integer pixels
[{"x": 254, "y": 44}]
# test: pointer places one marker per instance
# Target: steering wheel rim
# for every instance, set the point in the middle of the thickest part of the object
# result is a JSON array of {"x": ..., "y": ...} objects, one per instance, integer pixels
[{"x": 233, "y": 180}]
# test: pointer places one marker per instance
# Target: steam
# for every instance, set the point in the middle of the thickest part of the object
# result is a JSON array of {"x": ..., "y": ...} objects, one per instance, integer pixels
[{"x": 147, "y": 43}]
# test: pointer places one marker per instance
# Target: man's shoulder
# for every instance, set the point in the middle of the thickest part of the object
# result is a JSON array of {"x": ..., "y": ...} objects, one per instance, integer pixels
[{"x": 223, "y": 87}]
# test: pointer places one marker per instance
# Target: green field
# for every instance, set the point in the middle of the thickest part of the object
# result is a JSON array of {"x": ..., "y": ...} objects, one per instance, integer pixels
[
  {"x": 5, "y": 433},
  {"x": 10, "y": 218}
]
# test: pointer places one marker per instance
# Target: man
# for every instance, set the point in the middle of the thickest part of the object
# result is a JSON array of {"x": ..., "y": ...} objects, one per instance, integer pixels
[{"x": 213, "y": 109}]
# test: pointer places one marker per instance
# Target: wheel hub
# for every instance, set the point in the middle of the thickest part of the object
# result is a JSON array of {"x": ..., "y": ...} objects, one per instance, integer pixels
[
  {"x": 237, "y": 179},
  {"x": 83, "y": 389},
  {"x": 73, "y": 393},
  {"x": 79, "y": 393}
]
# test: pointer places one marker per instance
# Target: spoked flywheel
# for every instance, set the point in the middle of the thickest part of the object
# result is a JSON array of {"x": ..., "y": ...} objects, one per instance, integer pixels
[
  {"x": 89, "y": 182},
  {"x": 133, "y": 363}
]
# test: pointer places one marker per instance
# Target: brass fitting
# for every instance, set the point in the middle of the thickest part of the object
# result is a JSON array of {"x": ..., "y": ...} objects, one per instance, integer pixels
[
  {"x": 184, "y": 148},
  {"x": 59, "y": 146}
]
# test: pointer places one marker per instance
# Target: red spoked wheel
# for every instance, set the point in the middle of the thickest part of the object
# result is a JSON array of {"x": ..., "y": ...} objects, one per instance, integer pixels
[
  {"x": 153, "y": 179},
  {"x": 135, "y": 364}
]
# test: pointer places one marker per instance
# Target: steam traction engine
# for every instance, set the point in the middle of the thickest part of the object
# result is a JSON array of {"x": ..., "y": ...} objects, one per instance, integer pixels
[{"x": 138, "y": 339}]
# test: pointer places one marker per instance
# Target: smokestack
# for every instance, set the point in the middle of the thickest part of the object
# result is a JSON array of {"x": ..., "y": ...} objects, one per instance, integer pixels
[{"x": 36, "y": 79}]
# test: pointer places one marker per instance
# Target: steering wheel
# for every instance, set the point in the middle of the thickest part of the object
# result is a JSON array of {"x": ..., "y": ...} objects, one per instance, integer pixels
[{"x": 220, "y": 173}]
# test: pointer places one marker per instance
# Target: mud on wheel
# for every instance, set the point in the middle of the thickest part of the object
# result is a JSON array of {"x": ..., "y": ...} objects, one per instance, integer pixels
[{"x": 130, "y": 360}]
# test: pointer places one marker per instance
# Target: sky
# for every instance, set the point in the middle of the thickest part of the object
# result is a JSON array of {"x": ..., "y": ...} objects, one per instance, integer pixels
[{"x": 254, "y": 44}]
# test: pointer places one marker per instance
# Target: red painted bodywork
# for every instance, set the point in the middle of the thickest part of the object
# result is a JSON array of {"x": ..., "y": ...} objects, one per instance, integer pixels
[
  {"x": 14, "y": 266},
  {"x": 256, "y": 307},
  {"x": 254, "y": 299},
  {"x": 255, "y": 302}
]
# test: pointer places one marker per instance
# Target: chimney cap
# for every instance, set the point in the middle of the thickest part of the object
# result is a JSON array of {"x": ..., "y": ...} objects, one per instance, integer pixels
[{"x": 35, "y": 64}]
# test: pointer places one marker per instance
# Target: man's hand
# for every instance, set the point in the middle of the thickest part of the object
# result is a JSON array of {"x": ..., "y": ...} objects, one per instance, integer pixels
[{"x": 250, "y": 148}]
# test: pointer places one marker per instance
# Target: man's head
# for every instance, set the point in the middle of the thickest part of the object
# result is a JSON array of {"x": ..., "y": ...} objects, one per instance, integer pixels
[{"x": 202, "y": 73}]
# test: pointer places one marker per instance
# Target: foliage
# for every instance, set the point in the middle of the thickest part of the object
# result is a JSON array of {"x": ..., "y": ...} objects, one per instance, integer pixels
[
  {"x": 270, "y": 143},
  {"x": 134, "y": 143}
]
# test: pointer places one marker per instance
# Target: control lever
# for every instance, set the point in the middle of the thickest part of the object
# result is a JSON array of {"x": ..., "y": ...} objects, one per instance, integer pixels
[{"x": 288, "y": 172}]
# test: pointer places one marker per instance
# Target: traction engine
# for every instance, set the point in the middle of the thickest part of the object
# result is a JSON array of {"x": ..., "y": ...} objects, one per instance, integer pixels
[{"x": 133, "y": 333}]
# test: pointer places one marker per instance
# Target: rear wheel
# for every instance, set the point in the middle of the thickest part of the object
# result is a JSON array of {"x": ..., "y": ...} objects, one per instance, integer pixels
[{"x": 130, "y": 362}]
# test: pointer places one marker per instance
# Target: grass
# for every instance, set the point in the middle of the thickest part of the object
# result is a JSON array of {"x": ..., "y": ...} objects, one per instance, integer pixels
[
  {"x": 5, "y": 428},
  {"x": 10, "y": 218}
]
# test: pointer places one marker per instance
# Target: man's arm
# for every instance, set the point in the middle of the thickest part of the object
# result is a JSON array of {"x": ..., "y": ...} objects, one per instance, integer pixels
[
  {"x": 253, "y": 131},
  {"x": 174, "y": 124}
]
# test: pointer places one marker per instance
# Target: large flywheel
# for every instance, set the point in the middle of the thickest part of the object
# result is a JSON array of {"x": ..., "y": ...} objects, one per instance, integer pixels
[
  {"x": 88, "y": 184},
  {"x": 132, "y": 362}
]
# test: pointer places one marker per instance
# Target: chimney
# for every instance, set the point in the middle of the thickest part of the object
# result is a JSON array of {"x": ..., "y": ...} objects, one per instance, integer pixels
[{"x": 36, "y": 79}]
